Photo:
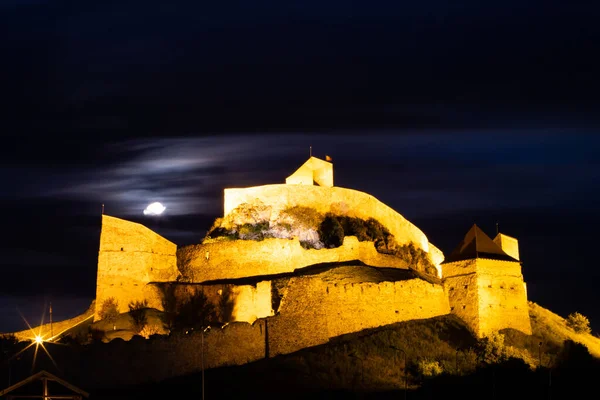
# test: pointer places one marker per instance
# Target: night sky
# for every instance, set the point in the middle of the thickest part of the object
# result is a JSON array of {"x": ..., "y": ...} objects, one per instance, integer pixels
[{"x": 452, "y": 113}]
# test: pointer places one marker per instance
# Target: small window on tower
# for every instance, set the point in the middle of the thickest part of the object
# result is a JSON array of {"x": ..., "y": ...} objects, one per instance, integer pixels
[
  {"x": 466, "y": 286},
  {"x": 464, "y": 307}
]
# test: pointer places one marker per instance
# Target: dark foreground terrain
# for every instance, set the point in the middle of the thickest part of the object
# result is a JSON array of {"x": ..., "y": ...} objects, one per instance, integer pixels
[{"x": 435, "y": 358}]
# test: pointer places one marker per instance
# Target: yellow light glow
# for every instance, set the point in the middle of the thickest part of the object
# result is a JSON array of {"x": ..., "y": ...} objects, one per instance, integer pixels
[{"x": 38, "y": 339}]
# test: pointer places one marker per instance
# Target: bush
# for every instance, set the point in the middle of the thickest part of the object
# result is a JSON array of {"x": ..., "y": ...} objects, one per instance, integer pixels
[
  {"x": 331, "y": 232},
  {"x": 253, "y": 231},
  {"x": 307, "y": 216},
  {"x": 109, "y": 311},
  {"x": 491, "y": 349},
  {"x": 416, "y": 258},
  {"x": 225, "y": 305},
  {"x": 96, "y": 335},
  {"x": 429, "y": 368},
  {"x": 137, "y": 311},
  {"x": 148, "y": 331},
  {"x": 169, "y": 304},
  {"x": 579, "y": 323}
]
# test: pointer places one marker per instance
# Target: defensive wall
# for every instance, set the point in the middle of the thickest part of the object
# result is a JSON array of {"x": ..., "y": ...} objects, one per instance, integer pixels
[
  {"x": 244, "y": 302},
  {"x": 232, "y": 259},
  {"x": 130, "y": 257},
  {"x": 312, "y": 312},
  {"x": 488, "y": 295},
  {"x": 336, "y": 200}
]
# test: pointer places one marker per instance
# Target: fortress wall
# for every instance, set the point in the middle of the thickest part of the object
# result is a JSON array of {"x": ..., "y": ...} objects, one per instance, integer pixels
[
  {"x": 136, "y": 361},
  {"x": 459, "y": 268},
  {"x": 502, "y": 297},
  {"x": 499, "y": 268},
  {"x": 313, "y": 311},
  {"x": 130, "y": 257},
  {"x": 311, "y": 314},
  {"x": 502, "y": 304},
  {"x": 464, "y": 298},
  {"x": 329, "y": 199},
  {"x": 245, "y": 302},
  {"x": 242, "y": 258},
  {"x": 252, "y": 302},
  {"x": 488, "y": 295}
]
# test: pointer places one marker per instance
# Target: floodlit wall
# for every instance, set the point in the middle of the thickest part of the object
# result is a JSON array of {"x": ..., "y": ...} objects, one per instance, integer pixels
[
  {"x": 329, "y": 199},
  {"x": 488, "y": 295},
  {"x": 231, "y": 259},
  {"x": 310, "y": 314},
  {"x": 502, "y": 297},
  {"x": 252, "y": 302},
  {"x": 130, "y": 257},
  {"x": 313, "y": 311},
  {"x": 508, "y": 244},
  {"x": 462, "y": 292}
]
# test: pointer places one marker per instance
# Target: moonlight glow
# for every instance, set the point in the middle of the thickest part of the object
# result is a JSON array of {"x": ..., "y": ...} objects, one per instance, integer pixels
[{"x": 154, "y": 209}]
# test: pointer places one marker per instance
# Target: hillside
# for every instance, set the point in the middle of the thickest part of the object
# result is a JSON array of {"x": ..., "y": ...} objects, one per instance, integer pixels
[
  {"x": 434, "y": 357},
  {"x": 437, "y": 355},
  {"x": 551, "y": 329}
]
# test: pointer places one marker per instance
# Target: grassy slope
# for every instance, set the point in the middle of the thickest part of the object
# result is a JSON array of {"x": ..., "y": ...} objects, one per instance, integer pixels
[{"x": 553, "y": 328}]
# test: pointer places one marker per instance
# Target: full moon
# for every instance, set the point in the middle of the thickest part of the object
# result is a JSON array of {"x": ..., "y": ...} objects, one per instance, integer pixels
[{"x": 154, "y": 209}]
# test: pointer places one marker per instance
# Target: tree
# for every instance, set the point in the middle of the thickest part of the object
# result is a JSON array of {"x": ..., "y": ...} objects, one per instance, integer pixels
[
  {"x": 225, "y": 305},
  {"x": 331, "y": 232},
  {"x": 169, "y": 303},
  {"x": 491, "y": 348},
  {"x": 137, "y": 311},
  {"x": 579, "y": 323},
  {"x": 110, "y": 311},
  {"x": 195, "y": 313}
]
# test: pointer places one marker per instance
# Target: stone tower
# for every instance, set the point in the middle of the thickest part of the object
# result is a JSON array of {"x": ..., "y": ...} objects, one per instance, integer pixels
[{"x": 485, "y": 285}]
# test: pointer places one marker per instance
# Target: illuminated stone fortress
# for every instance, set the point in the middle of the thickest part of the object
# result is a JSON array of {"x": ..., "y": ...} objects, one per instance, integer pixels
[{"x": 266, "y": 257}]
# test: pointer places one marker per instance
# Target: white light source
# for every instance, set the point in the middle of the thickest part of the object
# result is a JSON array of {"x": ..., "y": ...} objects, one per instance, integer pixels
[{"x": 154, "y": 209}]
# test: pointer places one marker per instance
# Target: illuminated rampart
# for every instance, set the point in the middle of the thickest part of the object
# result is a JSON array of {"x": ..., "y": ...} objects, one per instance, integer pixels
[
  {"x": 243, "y": 258},
  {"x": 130, "y": 257},
  {"x": 336, "y": 200}
]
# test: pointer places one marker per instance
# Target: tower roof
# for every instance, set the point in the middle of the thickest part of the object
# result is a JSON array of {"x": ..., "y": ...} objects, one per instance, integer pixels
[{"x": 477, "y": 244}]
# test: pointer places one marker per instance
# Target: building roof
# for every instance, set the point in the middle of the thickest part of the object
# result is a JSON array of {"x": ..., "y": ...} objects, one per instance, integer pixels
[
  {"x": 47, "y": 376},
  {"x": 477, "y": 244},
  {"x": 313, "y": 172}
]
